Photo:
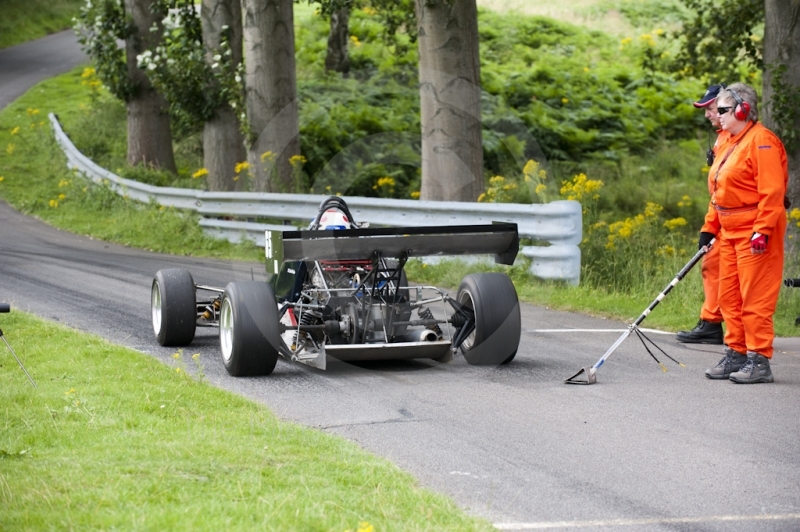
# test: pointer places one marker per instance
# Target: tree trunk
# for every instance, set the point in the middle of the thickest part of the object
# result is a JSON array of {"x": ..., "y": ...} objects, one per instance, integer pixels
[
  {"x": 149, "y": 132},
  {"x": 337, "y": 58},
  {"x": 223, "y": 143},
  {"x": 450, "y": 98},
  {"x": 270, "y": 93},
  {"x": 782, "y": 47}
]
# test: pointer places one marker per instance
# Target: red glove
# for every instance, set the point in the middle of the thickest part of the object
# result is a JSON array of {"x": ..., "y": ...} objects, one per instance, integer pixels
[{"x": 758, "y": 243}]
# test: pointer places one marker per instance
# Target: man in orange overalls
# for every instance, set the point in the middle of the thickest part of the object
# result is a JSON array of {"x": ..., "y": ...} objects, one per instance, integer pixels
[
  {"x": 709, "y": 328},
  {"x": 747, "y": 215}
]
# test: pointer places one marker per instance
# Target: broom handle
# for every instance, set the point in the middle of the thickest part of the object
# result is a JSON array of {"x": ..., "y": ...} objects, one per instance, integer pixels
[{"x": 681, "y": 274}]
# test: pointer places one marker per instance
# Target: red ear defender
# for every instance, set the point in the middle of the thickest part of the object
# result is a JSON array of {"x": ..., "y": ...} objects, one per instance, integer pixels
[{"x": 742, "y": 110}]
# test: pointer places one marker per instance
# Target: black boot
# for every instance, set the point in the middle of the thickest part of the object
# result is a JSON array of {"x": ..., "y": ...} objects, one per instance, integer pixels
[{"x": 705, "y": 332}]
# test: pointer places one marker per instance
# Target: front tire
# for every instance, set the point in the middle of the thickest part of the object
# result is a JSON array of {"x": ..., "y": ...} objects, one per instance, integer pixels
[
  {"x": 498, "y": 325},
  {"x": 173, "y": 307},
  {"x": 248, "y": 329}
]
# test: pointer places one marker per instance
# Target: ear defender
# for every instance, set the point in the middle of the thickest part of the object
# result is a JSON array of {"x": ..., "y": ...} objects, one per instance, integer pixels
[{"x": 742, "y": 110}]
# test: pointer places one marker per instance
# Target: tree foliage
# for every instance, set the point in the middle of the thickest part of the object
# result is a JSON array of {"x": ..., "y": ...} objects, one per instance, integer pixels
[
  {"x": 179, "y": 70},
  {"x": 99, "y": 26},
  {"x": 722, "y": 37}
]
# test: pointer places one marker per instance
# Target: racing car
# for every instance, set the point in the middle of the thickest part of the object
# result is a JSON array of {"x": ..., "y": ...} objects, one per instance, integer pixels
[{"x": 339, "y": 289}]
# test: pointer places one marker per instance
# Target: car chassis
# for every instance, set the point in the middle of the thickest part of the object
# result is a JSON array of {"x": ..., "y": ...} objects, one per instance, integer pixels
[{"x": 343, "y": 293}]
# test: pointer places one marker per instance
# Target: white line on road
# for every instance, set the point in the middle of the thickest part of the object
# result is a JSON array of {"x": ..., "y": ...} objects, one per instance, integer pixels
[
  {"x": 641, "y": 522},
  {"x": 653, "y": 331}
]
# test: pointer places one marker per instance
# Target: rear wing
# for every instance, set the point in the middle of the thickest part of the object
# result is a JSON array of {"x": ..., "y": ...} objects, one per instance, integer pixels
[{"x": 498, "y": 239}]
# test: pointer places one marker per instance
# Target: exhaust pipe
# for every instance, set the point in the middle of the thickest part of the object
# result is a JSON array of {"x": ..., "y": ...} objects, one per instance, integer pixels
[{"x": 423, "y": 335}]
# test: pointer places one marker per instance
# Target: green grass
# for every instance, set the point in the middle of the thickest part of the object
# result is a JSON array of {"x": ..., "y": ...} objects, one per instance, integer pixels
[
  {"x": 34, "y": 178},
  {"x": 25, "y": 20},
  {"x": 114, "y": 440}
]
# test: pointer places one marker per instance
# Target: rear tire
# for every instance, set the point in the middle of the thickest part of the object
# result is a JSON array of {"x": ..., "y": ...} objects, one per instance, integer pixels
[
  {"x": 173, "y": 307},
  {"x": 248, "y": 329},
  {"x": 498, "y": 324}
]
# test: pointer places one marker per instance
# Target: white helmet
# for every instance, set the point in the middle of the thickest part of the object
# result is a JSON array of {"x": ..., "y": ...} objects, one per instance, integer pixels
[{"x": 333, "y": 219}]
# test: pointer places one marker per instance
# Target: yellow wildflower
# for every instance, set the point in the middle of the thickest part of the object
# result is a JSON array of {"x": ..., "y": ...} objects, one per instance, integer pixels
[
  {"x": 355, "y": 40},
  {"x": 54, "y": 204},
  {"x": 652, "y": 209},
  {"x": 200, "y": 173},
  {"x": 15, "y": 130},
  {"x": 297, "y": 159},
  {"x": 414, "y": 195},
  {"x": 267, "y": 156},
  {"x": 241, "y": 166},
  {"x": 675, "y": 223},
  {"x": 386, "y": 182}
]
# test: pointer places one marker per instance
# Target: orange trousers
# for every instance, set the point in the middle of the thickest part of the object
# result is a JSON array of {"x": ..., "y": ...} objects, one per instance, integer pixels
[
  {"x": 749, "y": 284},
  {"x": 710, "y": 270}
]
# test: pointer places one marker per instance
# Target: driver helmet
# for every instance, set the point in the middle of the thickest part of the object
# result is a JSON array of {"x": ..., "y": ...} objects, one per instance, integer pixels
[{"x": 333, "y": 219}]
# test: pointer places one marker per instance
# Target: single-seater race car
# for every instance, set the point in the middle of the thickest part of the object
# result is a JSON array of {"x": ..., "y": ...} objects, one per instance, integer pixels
[{"x": 338, "y": 289}]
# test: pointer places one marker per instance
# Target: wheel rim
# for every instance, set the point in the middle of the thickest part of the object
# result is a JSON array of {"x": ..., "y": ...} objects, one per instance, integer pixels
[
  {"x": 466, "y": 300},
  {"x": 155, "y": 307},
  {"x": 226, "y": 329}
]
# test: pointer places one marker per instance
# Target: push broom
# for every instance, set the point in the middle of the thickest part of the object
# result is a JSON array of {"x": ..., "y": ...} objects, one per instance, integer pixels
[{"x": 591, "y": 371}]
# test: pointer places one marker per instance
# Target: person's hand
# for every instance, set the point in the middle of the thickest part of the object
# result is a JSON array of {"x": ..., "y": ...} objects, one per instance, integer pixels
[
  {"x": 705, "y": 239},
  {"x": 758, "y": 243}
]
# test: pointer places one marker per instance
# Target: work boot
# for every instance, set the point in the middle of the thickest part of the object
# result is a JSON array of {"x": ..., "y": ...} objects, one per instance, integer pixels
[
  {"x": 705, "y": 332},
  {"x": 755, "y": 370},
  {"x": 732, "y": 361}
]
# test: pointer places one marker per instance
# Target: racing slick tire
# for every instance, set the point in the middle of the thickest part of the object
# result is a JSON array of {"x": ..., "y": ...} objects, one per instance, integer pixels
[
  {"x": 498, "y": 326},
  {"x": 249, "y": 334},
  {"x": 173, "y": 307}
]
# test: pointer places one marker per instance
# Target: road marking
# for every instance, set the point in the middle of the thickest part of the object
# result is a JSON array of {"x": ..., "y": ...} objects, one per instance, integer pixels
[
  {"x": 653, "y": 331},
  {"x": 640, "y": 522}
]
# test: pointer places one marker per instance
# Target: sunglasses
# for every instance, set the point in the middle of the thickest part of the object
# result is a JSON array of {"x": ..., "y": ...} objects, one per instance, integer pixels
[{"x": 723, "y": 110}]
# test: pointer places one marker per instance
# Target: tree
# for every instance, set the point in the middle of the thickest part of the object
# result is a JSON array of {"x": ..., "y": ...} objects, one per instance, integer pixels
[
  {"x": 149, "y": 131},
  {"x": 100, "y": 26},
  {"x": 270, "y": 93},
  {"x": 450, "y": 97},
  {"x": 337, "y": 58},
  {"x": 223, "y": 143},
  {"x": 782, "y": 81},
  {"x": 722, "y": 41}
]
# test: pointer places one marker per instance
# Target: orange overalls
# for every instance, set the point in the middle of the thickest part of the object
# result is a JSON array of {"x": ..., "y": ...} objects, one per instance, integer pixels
[
  {"x": 710, "y": 310},
  {"x": 750, "y": 177}
]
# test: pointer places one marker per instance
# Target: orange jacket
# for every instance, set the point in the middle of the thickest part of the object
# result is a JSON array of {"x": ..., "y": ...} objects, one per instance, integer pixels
[{"x": 749, "y": 172}]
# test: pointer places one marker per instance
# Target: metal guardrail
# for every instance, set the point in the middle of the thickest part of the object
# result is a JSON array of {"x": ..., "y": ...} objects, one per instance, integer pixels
[{"x": 558, "y": 223}]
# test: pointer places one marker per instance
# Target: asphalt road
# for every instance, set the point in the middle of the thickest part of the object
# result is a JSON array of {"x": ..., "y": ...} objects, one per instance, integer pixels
[{"x": 640, "y": 450}]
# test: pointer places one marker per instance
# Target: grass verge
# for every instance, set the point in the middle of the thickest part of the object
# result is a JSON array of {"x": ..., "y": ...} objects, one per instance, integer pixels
[
  {"x": 25, "y": 20},
  {"x": 34, "y": 179},
  {"x": 113, "y": 439}
]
